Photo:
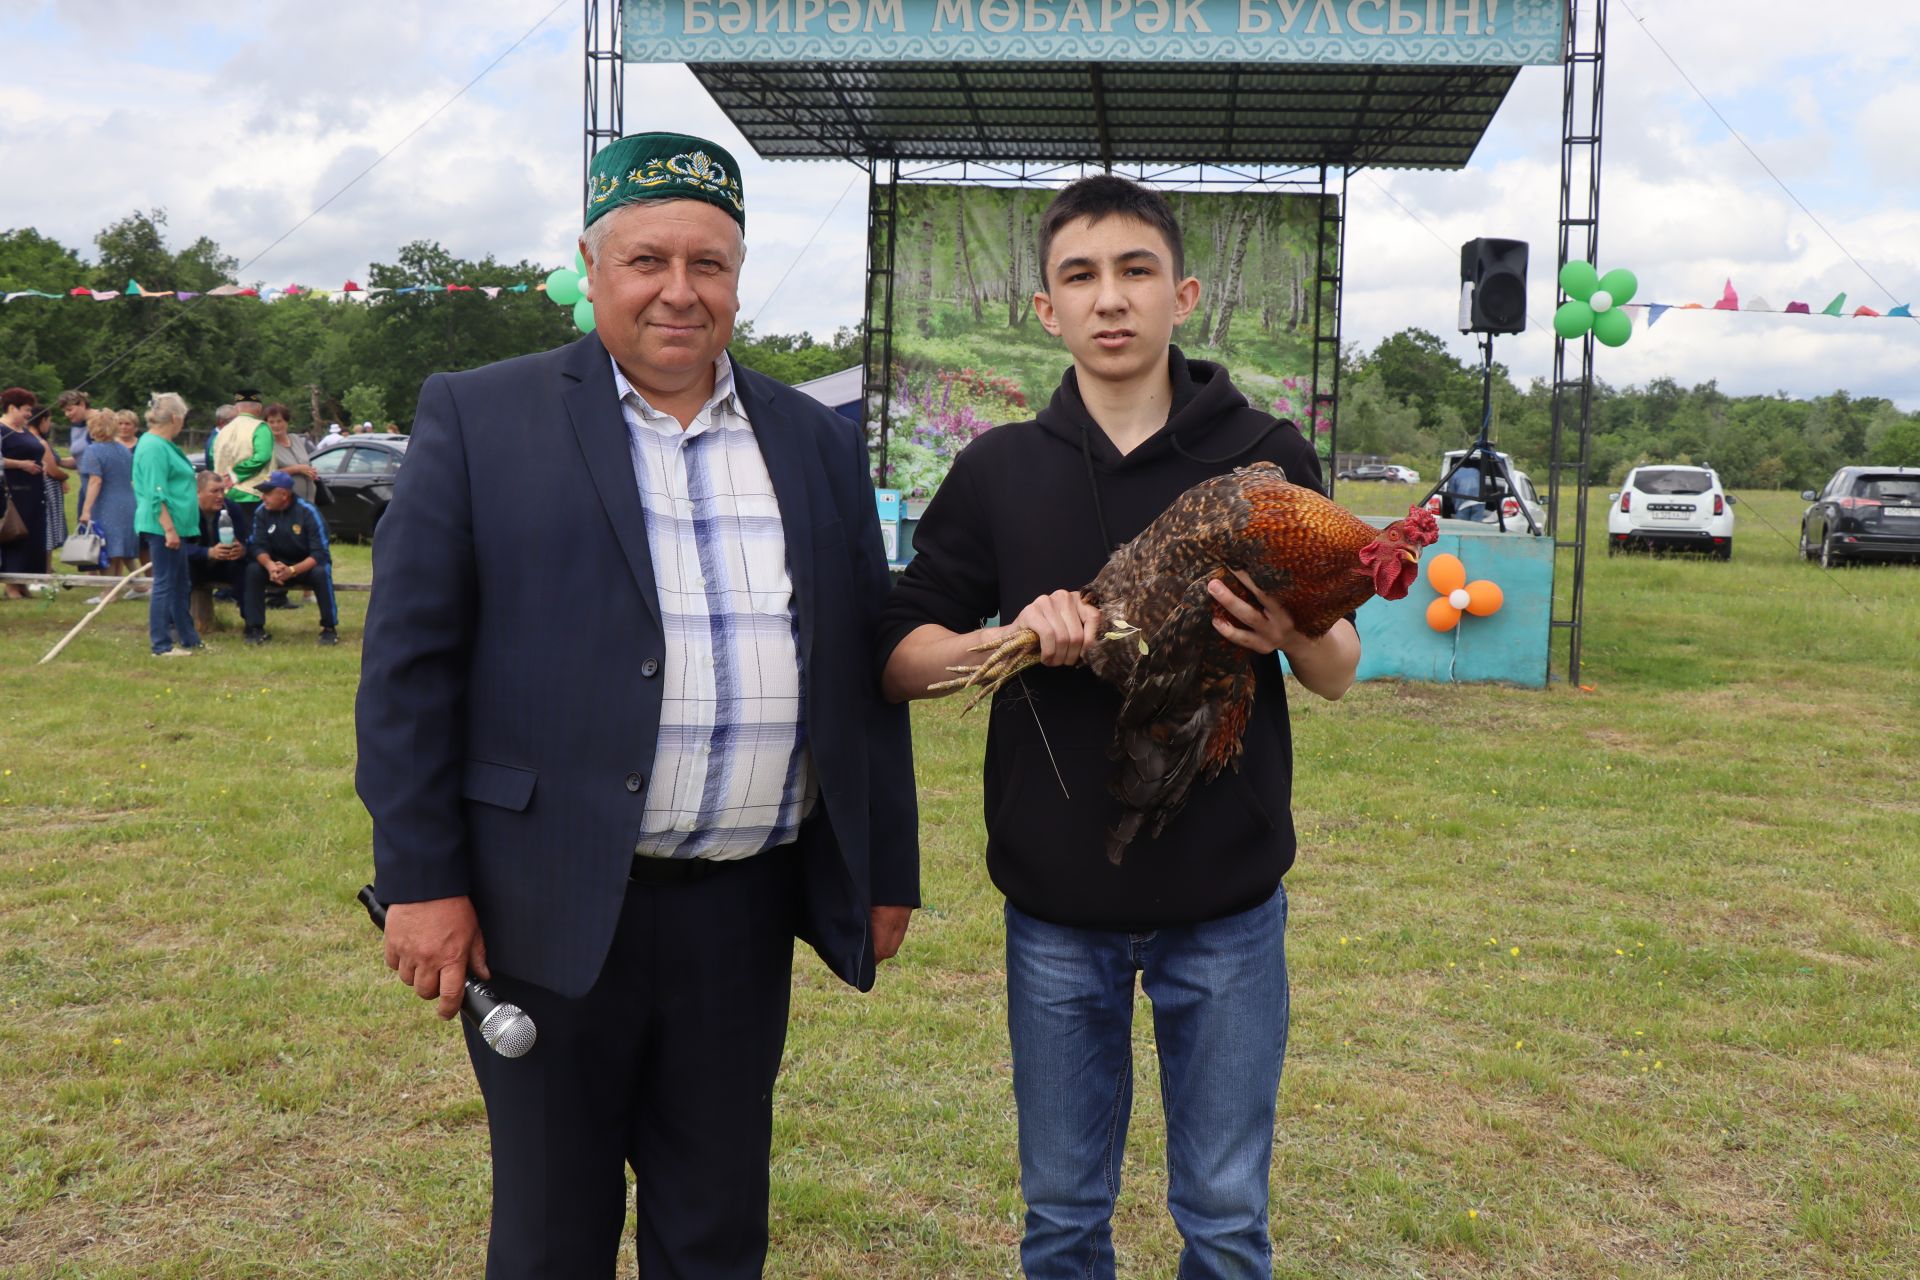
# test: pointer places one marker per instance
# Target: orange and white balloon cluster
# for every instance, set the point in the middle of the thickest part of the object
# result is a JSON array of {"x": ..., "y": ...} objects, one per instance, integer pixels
[{"x": 1448, "y": 576}]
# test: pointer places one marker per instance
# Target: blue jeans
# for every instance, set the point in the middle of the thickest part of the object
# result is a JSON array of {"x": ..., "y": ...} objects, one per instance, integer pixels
[
  {"x": 167, "y": 606},
  {"x": 1219, "y": 994}
]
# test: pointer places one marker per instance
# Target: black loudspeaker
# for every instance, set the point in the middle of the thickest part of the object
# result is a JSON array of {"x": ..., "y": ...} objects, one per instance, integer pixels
[{"x": 1493, "y": 286}]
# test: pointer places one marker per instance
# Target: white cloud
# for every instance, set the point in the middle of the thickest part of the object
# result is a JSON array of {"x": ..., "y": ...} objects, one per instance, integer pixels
[{"x": 239, "y": 120}]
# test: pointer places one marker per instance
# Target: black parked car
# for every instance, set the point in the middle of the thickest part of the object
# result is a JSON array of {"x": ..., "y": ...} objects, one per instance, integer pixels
[
  {"x": 356, "y": 482},
  {"x": 1864, "y": 513}
]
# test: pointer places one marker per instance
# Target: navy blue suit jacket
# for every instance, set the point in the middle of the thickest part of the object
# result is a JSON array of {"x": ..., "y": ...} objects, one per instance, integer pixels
[{"x": 505, "y": 719}]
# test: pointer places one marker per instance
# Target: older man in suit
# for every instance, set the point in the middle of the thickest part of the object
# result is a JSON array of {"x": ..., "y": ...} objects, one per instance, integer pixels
[{"x": 620, "y": 760}]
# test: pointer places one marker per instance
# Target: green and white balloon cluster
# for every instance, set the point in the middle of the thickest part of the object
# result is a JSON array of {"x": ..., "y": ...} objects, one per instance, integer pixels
[
  {"x": 569, "y": 287},
  {"x": 1596, "y": 303}
]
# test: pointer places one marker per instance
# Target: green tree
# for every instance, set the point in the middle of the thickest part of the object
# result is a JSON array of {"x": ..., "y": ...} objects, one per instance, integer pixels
[
  {"x": 364, "y": 403},
  {"x": 1899, "y": 446},
  {"x": 795, "y": 357},
  {"x": 410, "y": 336},
  {"x": 43, "y": 341}
]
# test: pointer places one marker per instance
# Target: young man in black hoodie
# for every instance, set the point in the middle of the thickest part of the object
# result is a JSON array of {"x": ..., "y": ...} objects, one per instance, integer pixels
[{"x": 1031, "y": 511}]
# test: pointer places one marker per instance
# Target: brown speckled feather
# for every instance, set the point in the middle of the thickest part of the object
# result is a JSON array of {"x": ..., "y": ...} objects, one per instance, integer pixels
[{"x": 1188, "y": 692}]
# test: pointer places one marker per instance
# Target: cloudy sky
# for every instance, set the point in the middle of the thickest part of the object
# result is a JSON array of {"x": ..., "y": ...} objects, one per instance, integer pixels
[{"x": 240, "y": 119}]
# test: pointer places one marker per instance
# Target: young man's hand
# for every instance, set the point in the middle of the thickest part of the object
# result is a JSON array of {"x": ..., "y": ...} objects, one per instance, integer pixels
[
  {"x": 1065, "y": 623},
  {"x": 1267, "y": 628}
]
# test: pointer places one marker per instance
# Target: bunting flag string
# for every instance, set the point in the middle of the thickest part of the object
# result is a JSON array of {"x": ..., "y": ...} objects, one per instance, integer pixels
[
  {"x": 1650, "y": 313},
  {"x": 348, "y": 292}
]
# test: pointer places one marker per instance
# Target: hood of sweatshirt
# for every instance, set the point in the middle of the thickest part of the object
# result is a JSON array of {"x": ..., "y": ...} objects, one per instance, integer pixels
[{"x": 1209, "y": 419}]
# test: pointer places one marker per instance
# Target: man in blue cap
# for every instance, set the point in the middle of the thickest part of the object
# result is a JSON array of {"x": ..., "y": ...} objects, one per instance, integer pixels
[
  {"x": 288, "y": 548},
  {"x": 620, "y": 761}
]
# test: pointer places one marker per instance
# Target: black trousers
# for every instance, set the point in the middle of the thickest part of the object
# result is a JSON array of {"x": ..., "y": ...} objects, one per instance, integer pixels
[
  {"x": 257, "y": 586},
  {"x": 667, "y": 1065}
]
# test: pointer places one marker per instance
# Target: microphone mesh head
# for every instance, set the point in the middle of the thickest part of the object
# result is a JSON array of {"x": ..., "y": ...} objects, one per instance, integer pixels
[{"x": 508, "y": 1031}]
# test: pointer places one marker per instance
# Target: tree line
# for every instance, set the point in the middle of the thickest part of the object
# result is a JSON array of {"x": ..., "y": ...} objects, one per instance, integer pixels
[
  {"x": 328, "y": 362},
  {"x": 1409, "y": 398}
]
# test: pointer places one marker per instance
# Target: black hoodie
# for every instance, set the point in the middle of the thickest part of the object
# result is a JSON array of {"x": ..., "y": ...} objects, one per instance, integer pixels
[{"x": 1020, "y": 515}]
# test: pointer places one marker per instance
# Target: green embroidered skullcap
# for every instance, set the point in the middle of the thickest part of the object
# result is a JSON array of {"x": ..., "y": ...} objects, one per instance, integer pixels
[{"x": 664, "y": 166}]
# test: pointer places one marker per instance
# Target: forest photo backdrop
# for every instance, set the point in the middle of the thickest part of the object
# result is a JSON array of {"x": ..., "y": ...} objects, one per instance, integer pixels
[{"x": 969, "y": 354}]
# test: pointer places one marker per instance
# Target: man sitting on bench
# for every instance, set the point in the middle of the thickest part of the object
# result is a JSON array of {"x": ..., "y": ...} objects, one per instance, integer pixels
[{"x": 289, "y": 549}]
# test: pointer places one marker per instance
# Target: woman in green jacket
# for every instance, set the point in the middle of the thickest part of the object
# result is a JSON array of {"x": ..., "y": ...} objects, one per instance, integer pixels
[{"x": 166, "y": 513}]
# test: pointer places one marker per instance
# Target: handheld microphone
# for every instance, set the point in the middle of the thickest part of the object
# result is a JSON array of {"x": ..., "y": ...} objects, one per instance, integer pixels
[{"x": 505, "y": 1026}]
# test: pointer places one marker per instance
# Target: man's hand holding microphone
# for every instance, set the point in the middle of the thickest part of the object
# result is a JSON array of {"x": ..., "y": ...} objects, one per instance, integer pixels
[
  {"x": 436, "y": 948},
  {"x": 433, "y": 946}
]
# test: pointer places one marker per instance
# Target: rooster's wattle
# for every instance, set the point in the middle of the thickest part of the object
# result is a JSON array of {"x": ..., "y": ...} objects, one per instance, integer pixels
[{"x": 1187, "y": 690}]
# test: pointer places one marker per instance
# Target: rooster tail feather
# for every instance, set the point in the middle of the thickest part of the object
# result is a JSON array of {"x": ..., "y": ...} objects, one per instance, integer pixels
[
  {"x": 1156, "y": 767},
  {"x": 1121, "y": 834}
]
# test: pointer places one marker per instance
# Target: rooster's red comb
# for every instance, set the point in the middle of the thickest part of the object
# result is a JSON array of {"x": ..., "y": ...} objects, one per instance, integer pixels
[{"x": 1421, "y": 528}]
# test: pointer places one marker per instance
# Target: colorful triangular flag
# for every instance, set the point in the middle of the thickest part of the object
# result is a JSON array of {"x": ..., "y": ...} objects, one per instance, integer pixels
[
  {"x": 1833, "y": 308},
  {"x": 1729, "y": 301},
  {"x": 1757, "y": 304},
  {"x": 1865, "y": 311},
  {"x": 1654, "y": 311},
  {"x": 1904, "y": 311},
  {"x": 1799, "y": 309},
  {"x": 133, "y": 289},
  {"x": 491, "y": 290}
]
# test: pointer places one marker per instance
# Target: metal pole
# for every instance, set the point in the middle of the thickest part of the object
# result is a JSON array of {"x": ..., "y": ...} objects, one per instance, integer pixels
[
  {"x": 604, "y": 98},
  {"x": 1581, "y": 113}
]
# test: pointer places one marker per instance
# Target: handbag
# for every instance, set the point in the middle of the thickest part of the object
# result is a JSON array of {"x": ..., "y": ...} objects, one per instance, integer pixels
[
  {"x": 13, "y": 525},
  {"x": 83, "y": 548}
]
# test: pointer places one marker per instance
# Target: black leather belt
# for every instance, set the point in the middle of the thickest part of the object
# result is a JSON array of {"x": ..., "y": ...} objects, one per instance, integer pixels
[{"x": 648, "y": 870}]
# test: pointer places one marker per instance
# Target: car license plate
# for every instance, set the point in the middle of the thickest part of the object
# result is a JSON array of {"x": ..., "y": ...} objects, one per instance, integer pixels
[
  {"x": 1910, "y": 512},
  {"x": 1671, "y": 515}
]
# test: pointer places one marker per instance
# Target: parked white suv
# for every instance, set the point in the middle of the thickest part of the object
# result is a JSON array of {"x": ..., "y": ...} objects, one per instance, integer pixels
[{"x": 1671, "y": 507}]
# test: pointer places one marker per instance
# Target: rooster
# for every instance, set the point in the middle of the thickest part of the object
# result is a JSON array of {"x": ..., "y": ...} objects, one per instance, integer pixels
[{"x": 1186, "y": 690}]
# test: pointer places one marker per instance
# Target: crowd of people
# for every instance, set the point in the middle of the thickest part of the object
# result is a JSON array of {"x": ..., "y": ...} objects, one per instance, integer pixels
[{"x": 139, "y": 499}]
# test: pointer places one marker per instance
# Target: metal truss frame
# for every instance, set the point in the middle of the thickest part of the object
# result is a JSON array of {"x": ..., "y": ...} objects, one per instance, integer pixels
[
  {"x": 605, "y": 90},
  {"x": 1581, "y": 113}
]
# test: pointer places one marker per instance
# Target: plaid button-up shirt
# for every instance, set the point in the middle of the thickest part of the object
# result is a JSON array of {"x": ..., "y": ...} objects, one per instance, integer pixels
[{"x": 732, "y": 773}]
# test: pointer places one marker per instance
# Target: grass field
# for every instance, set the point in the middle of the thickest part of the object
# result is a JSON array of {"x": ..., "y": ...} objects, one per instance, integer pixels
[{"x": 1607, "y": 983}]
